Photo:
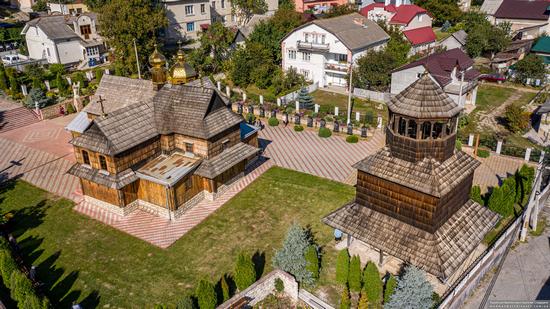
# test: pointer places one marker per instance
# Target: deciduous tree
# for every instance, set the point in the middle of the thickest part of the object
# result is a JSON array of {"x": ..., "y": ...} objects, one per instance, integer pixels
[
  {"x": 441, "y": 10},
  {"x": 245, "y": 9},
  {"x": 517, "y": 119},
  {"x": 532, "y": 66},
  {"x": 214, "y": 49}
]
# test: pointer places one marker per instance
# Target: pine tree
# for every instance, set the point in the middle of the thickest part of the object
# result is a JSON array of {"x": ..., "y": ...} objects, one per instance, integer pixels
[
  {"x": 372, "y": 283},
  {"x": 225, "y": 289},
  {"x": 186, "y": 303},
  {"x": 475, "y": 195},
  {"x": 413, "y": 291},
  {"x": 354, "y": 276},
  {"x": 391, "y": 284},
  {"x": 291, "y": 257},
  {"x": 345, "y": 301},
  {"x": 342, "y": 267},
  {"x": 446, "y": 26},
  {"x": 312, "y": 260},
  {"x": 206, "y": 295},
  {"x": 36, "y": 97},
  {"x": 245, "y": 274},
  {"x": 305, "y": 100},
  {"x": 363, "y": 301}
]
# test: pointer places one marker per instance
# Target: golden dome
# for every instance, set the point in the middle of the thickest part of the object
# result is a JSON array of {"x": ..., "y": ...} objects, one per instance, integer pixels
[
  {"x": 157, "y": 59},
  {"x": 181, "y": 72}
]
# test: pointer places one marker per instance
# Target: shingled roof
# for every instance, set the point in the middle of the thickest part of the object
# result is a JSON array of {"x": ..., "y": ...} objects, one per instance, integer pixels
[
  {"x": 428, "y": 176},
  {"x": 55, "y": 27},
  {"x": 523, "y": 9},
  {"x": 192, "y": 111},
  {"x": 440, "y": 253},
  {"x": 113, "y": 181},
  {"x": 210, "y": 168},
  {"x": 424, "y": 99}
]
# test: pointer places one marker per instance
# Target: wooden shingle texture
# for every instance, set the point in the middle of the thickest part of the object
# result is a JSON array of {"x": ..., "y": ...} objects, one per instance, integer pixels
[
  {"x": 113, "y": 181},
  {"x": 424, "y": 99},
  {"x": 440, "y": 253},
  {"x": 215, "y": 166},
  {"x": 427, "y": 176}
]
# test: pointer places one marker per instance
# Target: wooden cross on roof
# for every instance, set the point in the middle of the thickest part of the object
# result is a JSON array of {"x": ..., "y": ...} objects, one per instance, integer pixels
[{"x": 100, "y": 101}]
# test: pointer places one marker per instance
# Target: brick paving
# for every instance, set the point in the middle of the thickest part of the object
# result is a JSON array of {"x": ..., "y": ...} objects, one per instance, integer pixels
[{"x": 162, "y": 232}]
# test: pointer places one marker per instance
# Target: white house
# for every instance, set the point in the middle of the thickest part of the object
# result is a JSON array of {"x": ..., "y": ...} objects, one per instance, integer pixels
[
  {"x": 323, "y": 50},
  {"x": 64, "y": 39},
  {"x": 455, "y": 40},
  {"x": 528, "y": 19},
  {"x": 452, "y": 70},
  {"x": 414, "y": 21}
]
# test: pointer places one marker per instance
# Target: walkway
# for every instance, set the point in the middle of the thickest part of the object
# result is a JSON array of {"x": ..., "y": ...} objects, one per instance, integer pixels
[
  {"x": 525, "y": 274},
  {"x": 306, "y": 152},
  {"x": 13, "y": 118},
  {"x": 162, "y": 232}
]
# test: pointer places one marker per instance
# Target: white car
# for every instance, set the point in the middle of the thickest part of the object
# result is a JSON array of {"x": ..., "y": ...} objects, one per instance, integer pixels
[{"x": 11, "y": 59}]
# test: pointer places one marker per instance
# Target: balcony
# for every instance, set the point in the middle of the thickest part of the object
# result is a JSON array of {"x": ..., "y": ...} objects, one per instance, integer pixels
[
  {"x": 313, "y": 46},
  {"x": 337, "y": 67}
]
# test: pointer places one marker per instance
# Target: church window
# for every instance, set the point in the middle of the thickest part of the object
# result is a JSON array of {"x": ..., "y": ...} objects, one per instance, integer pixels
[
  {"x": 85, "y": 157},
  {"x": 437, "y": 130},
  {"x": 426, "y": 128},
  {"x": 402, "y": 126},
  {"x": 102, "y": 163},
  {"x": 412, "y": 129},
  {"x": 189, "y": 147}
]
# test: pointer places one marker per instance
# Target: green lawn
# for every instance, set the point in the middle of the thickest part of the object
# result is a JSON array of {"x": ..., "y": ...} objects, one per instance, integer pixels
[
  {"x": 489, "y": 97},
  {"x": 441, "y": 35},
  {"x": 328, "y": 100},
  {"x": 82, "y": 259}
]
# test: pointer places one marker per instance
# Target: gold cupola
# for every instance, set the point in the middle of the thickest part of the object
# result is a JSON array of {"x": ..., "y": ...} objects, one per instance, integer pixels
[
  {"x": 158, "y": 68},
  {"x": 181, "y": 72}
]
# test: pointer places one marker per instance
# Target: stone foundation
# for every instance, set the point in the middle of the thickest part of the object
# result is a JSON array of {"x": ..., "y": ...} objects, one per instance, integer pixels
[
  {"x": 189, "y": 204},
  {"x": 121, "y": 211}
]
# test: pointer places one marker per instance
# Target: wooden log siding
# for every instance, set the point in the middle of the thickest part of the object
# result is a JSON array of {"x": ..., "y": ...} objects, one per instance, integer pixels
[
  {"x": 184, "y": 194},
  {"x": 111, "y": 196},
  {"x": 453, "y": 200},
  {"x": 200, "y": 146},
  {"x": 224, "y": 177},
  {"x": 142, "y": 152},
  {"x": 215, "y": 146},
  {"x": 130, "y": 192},
  {"x": 252, "y": 140},
  {"x": 94, "y": 159},
  {"x": 152, "y": 192},
  {"x": 167, "y": 143}
]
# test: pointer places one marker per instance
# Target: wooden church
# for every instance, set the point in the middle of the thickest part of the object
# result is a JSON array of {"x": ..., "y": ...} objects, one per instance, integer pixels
[
  {"x": 412, "y": 198},
  {"x": 162, "y": 145}
]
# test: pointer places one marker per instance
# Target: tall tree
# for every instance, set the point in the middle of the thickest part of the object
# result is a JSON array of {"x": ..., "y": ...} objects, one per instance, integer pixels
[
  {"x": 373, "y": 70},
  {"x": 245, "y": 274},
  {"x": 122, "y": 22},
  {"x": 3, "y": 78},
  {"x": 206, "y": 294},
  {"x": 413, "y": 291},
  {"x": 354, "y": 277},
  {"x": 339, "y": 10},
  {"x": 372, "y": 283},
  {"x": 483, "y": 37},
  {"x": 342, "y": 267},
  {"x": 532, "y": 66},
  {"x": 291, "y": 257},
  {"x": 441, "y": 10},
  {"x": 245, "y": 9},
  {"x": 214, "y": 49}
]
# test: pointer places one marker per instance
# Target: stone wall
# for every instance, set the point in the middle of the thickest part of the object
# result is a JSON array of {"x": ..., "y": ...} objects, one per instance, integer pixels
[
  {"x": 371, "y": 95},
  {"x": 263, "y": 287},
  {"x": 53, "y": 111}
]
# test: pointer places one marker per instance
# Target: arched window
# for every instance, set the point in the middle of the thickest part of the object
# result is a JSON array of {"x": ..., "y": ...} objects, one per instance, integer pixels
[
  {"x": 85, "y": 157},
  {"x": 102, "y": 163},
  {"x": 402, "y": 126},
  {"x": 412, "y": 129},
  {"x": 437, "y": 129},
  {"x": 426, "y": 128}
]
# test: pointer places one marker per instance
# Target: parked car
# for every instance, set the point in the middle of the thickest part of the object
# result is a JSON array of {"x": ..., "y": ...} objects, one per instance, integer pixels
[
  {"x": 494, "y": 77},
  {"x": 10, "y": 59}
]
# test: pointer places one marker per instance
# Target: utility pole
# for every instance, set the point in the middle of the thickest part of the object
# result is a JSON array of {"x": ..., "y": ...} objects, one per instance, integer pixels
[
  {"x": 350, "y": 90},
  {"x": 532, "y": 202},
  {"x": 137, "y": 60}
]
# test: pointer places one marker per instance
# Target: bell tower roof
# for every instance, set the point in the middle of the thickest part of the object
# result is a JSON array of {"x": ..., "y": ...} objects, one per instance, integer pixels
[{"x": 424, "y": 99}]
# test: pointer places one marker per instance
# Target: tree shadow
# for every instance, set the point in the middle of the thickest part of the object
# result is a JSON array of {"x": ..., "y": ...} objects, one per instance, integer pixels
[
  {"x": 91, "y": 301},
  {"x": 259, "y": 263},
  {"x": 544, "y": 293}
]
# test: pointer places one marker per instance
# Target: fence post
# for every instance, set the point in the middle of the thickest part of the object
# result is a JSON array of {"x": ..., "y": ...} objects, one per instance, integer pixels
[
  {"x": 542, "y": 153},
  {"x": 527, "y": 154},
  {"x": 297, "y": 106},
  {"x": 379, "y": 121},
  {"x": 24, "y": 89},
  {"x": 471, "y": 140},
  {"x": 357, "y": 116},
  {"x": 244, "y": 96},
  {"x": 336, "y": 111},
  {"x": 227, "y": 91},
  {"x": 499, "y": 147},
  {"x": 47, "y": 83},
  {"x": 219, "y": 86},
  {"x": 278, "y": 101},
  {"x": 317, "y": 108},
  {"x": 261, "y": 99}
]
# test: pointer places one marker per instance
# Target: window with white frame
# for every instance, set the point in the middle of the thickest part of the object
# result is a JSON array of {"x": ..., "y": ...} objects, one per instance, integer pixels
[
  {"x": 341, "y": 57},
  {"x": 203, "y": 8},
  {"x": 306, "y": 56},
  {"x": 305, "y": 73},
  {"x": 291, "y": 54},
  {"x": 188, "y": 10},
  {"x": 306, "y": 37}
]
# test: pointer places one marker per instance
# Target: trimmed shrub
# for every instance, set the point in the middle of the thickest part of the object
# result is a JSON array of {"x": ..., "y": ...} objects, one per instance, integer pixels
[
  {"x": 245, "y": 274},
  {"x": 186, "y": 303},
  {"x": 345, "y": 301},
  {"x": 279, "y": 285},
  {"x": 7, "y": 267},
  {"x": 325, "y": 132},
  {"x": 372, "y": 283},
  {"x": 475, "y": 195},
  {"x": 225, "y": 289},
  {"x": 312, "y": 260},
  {"x": 206, "y": 295},
  {"x": 352, "y": 139},
  {"x": 298, "y": 128},
  {"x": 391, "y": 284},
  {"x": 482, "y": 153},
  {"x": 273, "y": 122},
  {"x": 354, "y": 276},
  {"x": 458, "y": 145},
  {"x": 342, "y": 267}
]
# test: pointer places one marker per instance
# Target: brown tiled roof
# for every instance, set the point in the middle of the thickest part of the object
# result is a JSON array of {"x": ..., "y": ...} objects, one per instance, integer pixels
[
  {"x": 117, "y": 181},
  {"x": 523, "y": 9},
  {"x": 424, "y": 99},
  {"x": 440, "y": 65},
  {"x": 428, "y": 176},
  {"x": 213, "y": 167},
  {"x": 440, "y": 253},
  {"x": 118, "y": 92}
]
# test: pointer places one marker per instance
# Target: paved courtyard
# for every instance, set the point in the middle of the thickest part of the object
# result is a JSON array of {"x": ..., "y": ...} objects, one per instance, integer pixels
[{"x": 40, "y": 154}]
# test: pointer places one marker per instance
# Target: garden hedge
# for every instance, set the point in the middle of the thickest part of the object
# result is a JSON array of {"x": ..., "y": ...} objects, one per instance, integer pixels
[
  {"x": 482, "y": 153},
  {"x": 352, "y": 139},
  {"x": 325, "y": 132},
  {"x": 298, "y": 128},
  {"x": 273, "y": 122}
]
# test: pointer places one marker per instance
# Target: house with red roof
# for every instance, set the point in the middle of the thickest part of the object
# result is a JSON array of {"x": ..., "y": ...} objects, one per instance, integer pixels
[
  {"x": 317, "y": 6},
  {"x": 452, "y": 70},
  {"x": 414, "y": 21}
]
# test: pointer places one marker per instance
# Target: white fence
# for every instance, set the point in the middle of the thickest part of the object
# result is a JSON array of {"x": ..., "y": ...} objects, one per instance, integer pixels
[
  {"x": 372, "y": 95},
  {"x": 289, "y": 98}
]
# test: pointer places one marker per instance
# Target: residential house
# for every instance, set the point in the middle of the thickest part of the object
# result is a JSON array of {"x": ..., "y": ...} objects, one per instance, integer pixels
[
  {"x": 528, "y": 18},
  {"x": 23, "y": 5},
  {"x": 317, "y": 6},
  {"x": 514, "y": 52},
  {"x": 65, "y": 39},
  {"x": 186, "y": 18},
  {"x": 222, "y": 11},
  {"x": 455, "y": 40},
  {"x": 542, "y": 49},
  {"x": 69, "y": 8},
  {"x": 156, "y": 146},
  {"x": 452, "y": 70},
  {"x": 324, "y": 49},
  {"x": 414, "y": 21}
]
